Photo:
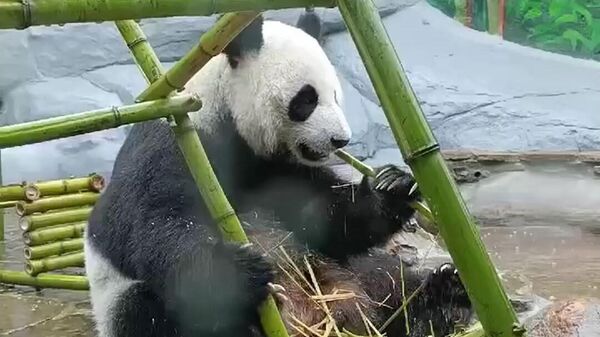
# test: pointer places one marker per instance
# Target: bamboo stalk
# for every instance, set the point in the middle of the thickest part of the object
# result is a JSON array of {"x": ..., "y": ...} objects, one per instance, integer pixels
[
  {"x": 421, "y": 151},
  {"x": 22, "y": 14},
  {"x": 51, "y": 203},
  {"x": 51, "y": 249},
  {"x": 7, "y": 204},
  {"x": 210, "y": 45},
  {"x": 34, "y": 267},
  {"x": 71, "y": 282},
  {"x": 36, "y": 221},
  {"x": 368, "y": 171},
  {"x": 31, "y": 192},
  {"x": 1, "y": 206},
  {"x": 90, "y": 121},
  {"x": 12, "y": 192},
  {"x": 93, "y": 183},
  {"x": 189, "y": 143},
  {"x": 47, "y": 235}
]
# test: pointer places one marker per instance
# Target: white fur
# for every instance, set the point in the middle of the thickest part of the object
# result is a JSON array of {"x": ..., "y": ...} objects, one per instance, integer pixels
[
  {"x": 258, "y": 91},
  {"x": 106, "y": 286}
]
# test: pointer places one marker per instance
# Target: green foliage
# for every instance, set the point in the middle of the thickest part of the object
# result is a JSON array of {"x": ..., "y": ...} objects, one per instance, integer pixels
[
  {"x": 446, "y": 6},
  {"x": 569, "y": 26}
]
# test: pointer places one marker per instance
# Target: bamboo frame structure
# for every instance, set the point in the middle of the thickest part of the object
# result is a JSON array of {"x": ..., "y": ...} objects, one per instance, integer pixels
[
  {"x": 211, "y": 43},
  {"x": 85, "y": 122},
  {"x": 421, "y": 152},
  {"x": 411, "y": 131},
  {"x": 21, "y": 14}
]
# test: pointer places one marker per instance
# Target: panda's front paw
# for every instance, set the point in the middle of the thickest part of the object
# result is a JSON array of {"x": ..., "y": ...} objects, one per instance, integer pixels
[
  {"x": 393, "y": 182},
  {"x": 257, "y": 272}
]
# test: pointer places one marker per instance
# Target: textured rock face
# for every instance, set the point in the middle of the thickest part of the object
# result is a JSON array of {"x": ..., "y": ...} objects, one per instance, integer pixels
[{"x": 477, "y": 91}]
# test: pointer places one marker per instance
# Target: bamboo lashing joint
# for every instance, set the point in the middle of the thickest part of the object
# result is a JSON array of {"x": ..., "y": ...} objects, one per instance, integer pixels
[
  {"x": 26, "y": 5},
  {"x": 421, "y": 152}
]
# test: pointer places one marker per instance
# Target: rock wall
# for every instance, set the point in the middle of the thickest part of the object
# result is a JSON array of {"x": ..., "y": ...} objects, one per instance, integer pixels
[{"x": 476, "y": 90}]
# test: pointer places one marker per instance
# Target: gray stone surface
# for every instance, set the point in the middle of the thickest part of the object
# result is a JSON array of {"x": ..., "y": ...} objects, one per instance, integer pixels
[{"x": 477, "y": 91}]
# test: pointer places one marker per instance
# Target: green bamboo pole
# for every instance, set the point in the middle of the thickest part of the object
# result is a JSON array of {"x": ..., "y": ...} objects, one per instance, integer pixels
[
  {"x": 36, "y": 221},
  {"x": 51, "y": 249},
  {"x": 421, "y": 151},
  {"x": 25, "y": 13},
  {"x": 7, "y": 204},
  {"x": 93, "y": 183},
  {"x": 52, "y": 203},
  {"x": 227, "y": 27},
  {"x": 209, "y": 46},
  {"x": 71, "y": 282},
  {"x": 35, "y": 267},
  {"x": 10, "y": 194},
  {"x": 1, "y": 208},
  {"x": 90, "y": 121},
  {"x": 476, "y": 330},
  {"x": 48, "y": 235}
]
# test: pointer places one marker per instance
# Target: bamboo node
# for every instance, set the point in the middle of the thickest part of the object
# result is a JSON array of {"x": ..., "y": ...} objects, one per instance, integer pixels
[
  {"x": 137, "y": 41},
  {"x": 171, "y": 85},
  {"x": 422, "y": 151},
  {"x": 225, "y": 216},
  {"x": 117, "y": 115},
  {"x": 26, "y": 5},
  {"x": 32, "y": 193}
]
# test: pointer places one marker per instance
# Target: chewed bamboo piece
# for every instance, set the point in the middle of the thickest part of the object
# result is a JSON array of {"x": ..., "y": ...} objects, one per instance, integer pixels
[{"x": 368, "y": 171}]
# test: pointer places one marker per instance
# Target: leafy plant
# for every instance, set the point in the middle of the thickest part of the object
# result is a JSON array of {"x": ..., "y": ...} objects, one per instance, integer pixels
[{"x": 556, "y": 25}]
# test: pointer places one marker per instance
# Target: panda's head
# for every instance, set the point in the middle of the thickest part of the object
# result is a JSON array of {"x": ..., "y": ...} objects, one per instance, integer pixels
[{"x": 283, "y": 92}]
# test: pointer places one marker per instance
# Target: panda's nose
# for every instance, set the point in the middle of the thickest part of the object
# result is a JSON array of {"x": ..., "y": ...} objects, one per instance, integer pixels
[{"x": 339, "y": 143}]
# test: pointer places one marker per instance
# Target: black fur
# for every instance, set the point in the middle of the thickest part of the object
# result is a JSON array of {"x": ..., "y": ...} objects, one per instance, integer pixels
[
  {"x": 248, "y": 40},
  {"x": 310, "y": 22},
  {"x": 303, "y": 104}
]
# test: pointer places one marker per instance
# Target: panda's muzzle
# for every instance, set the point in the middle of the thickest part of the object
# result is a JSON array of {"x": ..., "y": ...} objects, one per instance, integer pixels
[{"x": 310, "y": 154}]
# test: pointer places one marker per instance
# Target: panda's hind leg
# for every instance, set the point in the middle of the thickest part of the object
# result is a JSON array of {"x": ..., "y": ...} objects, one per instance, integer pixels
[
  {"x": 442, "y": 300},
  {"x": 139, "y": 312}
]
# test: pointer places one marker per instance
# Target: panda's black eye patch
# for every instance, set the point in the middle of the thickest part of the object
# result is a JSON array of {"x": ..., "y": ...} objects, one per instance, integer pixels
[{"x": 303, "y": 104}]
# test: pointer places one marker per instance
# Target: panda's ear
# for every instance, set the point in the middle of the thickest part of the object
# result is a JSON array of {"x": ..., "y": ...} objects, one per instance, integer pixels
[
  {"x": 248, "y": 40},
  {"x": 310, "y": 23}
]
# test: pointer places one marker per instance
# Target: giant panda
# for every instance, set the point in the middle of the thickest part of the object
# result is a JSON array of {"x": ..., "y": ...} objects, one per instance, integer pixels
[{"x": 271, "y": 119}]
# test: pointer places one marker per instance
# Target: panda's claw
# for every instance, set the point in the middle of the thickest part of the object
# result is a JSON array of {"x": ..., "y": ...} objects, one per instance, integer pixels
[
  {"x": 275, "y": 288},
  {"x": 413, "y": 189},
  {"x": 383, "y": 170},
  {"x": 394, "y": 184}
]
